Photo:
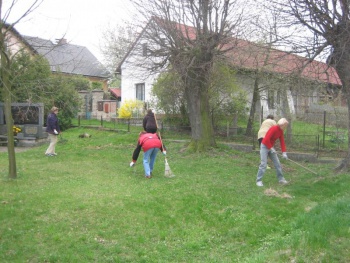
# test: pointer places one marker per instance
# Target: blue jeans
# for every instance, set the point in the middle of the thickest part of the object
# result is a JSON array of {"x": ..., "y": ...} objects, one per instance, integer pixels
[
  {"x": 264, "y": 152},
  {"x": 149, "y": 157}
]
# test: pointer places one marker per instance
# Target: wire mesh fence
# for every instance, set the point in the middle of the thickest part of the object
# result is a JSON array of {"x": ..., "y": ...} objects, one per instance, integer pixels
[{"x": 316, "y": 133}]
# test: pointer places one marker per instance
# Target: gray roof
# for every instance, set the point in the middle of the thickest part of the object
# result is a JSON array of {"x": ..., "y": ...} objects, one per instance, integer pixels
[{"x": 68, "y": 58}]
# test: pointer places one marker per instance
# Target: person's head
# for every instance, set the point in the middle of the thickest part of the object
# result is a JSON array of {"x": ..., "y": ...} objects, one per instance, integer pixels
[
  {"x": 283, "y": 123},
  {"x": 54, "y": 109},
  {"x": 149, "y": 111},
  {"x": 270, "y": 116}
]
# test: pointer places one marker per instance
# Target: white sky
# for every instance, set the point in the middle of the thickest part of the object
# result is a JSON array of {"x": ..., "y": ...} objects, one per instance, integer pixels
[{"x": 81, "y": 22}]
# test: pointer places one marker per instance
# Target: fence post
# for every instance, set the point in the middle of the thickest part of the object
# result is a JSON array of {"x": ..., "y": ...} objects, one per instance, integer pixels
[
  {"x": 101, "y": 122},
  {"x": 129, "y": 125},
  {"x": 78, "y": 120},
  {"x": 227, "y": 129},
  {"x": 324, "y": 128}
]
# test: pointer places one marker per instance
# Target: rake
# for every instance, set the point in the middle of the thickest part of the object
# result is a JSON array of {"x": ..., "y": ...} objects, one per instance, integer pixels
[
  {"x": 301, "y": 165},
  {"x": 167, "y": 172}
]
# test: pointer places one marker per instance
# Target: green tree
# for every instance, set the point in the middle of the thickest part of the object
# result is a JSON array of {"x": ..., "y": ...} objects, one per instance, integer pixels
[
  {"x": 32, "y": 81},
  {"x": 29, "y": 78},
  {"x": 64, "y": 95},
  {"x": 81, "y": 83},
  {"x": 225, "y": 97}
]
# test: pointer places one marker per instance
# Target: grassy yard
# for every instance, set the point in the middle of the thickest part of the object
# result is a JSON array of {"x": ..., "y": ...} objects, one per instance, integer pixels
[{"x": 88, "y": 205}]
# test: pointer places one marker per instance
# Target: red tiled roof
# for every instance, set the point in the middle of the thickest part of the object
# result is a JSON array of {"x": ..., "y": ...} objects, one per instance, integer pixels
[
  {"x": 249, "y": 55},
  {"x": 116, "y": 92}
]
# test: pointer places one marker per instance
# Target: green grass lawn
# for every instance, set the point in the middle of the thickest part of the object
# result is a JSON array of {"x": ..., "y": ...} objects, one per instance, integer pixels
[{"x": 88, "y": 205}]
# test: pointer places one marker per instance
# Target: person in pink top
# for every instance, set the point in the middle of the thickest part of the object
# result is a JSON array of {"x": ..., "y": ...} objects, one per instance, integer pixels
[
  {"x": 267, "y": 149},
  {"x": 150, "y": 143}
]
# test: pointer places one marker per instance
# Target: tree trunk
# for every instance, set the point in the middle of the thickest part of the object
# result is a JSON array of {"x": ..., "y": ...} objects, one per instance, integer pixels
[
  {"x": 202, "y": 131},
  {"x": 343, "y": 68},
  {"x": 249, "y": 130},
  {"x": 8, "y": 115},
  {"x": 287, "y": 114}
]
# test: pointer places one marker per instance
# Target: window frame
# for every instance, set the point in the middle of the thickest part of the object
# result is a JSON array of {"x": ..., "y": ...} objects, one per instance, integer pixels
[{"x": 140, "y": 91}]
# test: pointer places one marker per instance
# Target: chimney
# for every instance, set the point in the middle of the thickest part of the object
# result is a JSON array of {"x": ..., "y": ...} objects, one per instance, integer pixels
[{"x": 61, "y": 41}]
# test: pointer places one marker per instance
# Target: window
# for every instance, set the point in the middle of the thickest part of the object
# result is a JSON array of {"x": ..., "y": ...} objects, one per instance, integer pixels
[{"x": 140, "y": 91}]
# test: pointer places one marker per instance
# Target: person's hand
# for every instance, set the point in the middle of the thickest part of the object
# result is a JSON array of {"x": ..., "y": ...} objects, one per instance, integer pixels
[
  {"x": 132, "y": 164},
  {"x": 164, "y": 152},
  {"x": 273, "y": 150},
  {"x": 284, "y": 155},
  {"x": 55, "y": 131}
]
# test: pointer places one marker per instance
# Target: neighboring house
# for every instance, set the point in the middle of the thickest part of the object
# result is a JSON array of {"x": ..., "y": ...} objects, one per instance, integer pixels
[
  {"x": 65, "y": 58},
  {"x": 307, "y": 82}
]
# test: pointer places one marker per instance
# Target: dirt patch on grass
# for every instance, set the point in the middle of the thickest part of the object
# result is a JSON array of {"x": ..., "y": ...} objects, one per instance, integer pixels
[
  {"x": 272, "y": 192},
  {"x": 17, "y": 149}
]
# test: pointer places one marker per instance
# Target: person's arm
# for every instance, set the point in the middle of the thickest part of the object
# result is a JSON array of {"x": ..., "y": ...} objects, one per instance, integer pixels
[
  {"x": 283, "y": 145},
  {"x": 136, "y": 153},
  {"x": 57, "y": 127}
]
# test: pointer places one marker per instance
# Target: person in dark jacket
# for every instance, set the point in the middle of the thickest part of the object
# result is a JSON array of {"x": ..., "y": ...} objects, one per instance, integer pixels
[
  {"x": 53, "y": 129},
  {"x": 150, "y": 144},
  {"x": 149, "y": 122}
]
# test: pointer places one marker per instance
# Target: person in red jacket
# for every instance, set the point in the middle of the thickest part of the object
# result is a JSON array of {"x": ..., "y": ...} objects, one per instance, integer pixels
[
  {"x": 150, "y": 144},
  {"x": 267, "y": 149}
]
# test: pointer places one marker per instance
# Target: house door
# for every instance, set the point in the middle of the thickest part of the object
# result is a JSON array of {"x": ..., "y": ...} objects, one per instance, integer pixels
[{"x": 106, "y": 108}]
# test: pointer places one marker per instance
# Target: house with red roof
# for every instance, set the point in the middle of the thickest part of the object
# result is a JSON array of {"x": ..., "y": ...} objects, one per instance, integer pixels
[{"x": 277, "y": 74}]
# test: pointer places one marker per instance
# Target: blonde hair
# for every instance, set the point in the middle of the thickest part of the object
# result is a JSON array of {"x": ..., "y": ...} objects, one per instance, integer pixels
[
  {"x": 282, "y": 121},
  {"x": 53, "y": 109}
]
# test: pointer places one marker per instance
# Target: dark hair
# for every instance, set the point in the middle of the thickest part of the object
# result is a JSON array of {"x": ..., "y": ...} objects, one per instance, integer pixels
[
  {"x": 149, "y": 111},
  {"x": 270, "y": 116}
]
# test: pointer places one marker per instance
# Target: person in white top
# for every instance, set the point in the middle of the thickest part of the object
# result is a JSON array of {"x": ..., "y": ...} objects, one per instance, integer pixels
[{"x": 265, "y": 126}]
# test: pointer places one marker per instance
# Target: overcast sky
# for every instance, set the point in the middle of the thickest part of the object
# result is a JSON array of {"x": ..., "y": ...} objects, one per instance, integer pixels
[{"x": 81, "y": 22}]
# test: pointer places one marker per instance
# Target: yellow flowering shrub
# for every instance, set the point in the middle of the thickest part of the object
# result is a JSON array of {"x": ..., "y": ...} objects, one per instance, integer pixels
[
  {"x": 130, "y": 108},
  {"x": 16, "y": 130}
]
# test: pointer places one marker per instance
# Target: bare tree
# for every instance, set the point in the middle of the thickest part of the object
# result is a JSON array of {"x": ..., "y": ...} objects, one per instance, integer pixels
[
  {"x": 7, "y": 56},
  {"x": 328, "y": 22},
  {"x": 116, "y": 42},
  {"x": 190, "y": 36}
]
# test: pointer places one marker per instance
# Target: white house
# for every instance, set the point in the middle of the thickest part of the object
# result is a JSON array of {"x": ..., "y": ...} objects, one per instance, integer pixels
[{"x": 305, "y": 82}]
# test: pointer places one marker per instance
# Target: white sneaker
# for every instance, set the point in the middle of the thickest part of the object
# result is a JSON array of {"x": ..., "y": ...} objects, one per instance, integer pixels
[
  {"x": 283, "y": 181},
  {"x": 268, "y": 167},
  {"x": 259, "y": 183}
]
